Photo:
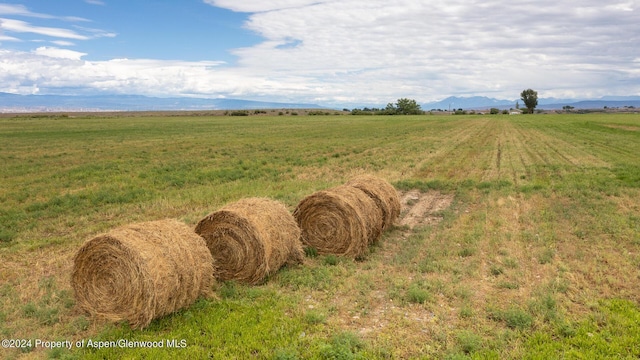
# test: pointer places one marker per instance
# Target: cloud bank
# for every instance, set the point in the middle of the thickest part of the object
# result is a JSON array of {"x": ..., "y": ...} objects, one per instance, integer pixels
[{"x": 379, "y": 50}]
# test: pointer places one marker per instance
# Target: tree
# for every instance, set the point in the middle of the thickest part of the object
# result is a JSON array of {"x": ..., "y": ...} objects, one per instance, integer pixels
[
  {"x": 530, "y": 99},
  {"x": 408, "y": 107},
  {"x": 391, "y": 109}
]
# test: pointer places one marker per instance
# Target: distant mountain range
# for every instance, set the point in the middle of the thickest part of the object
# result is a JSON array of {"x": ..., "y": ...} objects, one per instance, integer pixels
[
  {"x": 481, "y": 102},
  {"x": 50, "y": 103}
]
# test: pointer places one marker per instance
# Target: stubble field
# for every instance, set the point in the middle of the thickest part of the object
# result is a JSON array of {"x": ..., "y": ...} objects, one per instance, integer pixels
[{"x": 519, "y": 236}]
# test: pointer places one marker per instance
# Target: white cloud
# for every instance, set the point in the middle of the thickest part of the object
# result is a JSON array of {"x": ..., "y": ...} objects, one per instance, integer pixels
[
  {"x": 12, "y": 9},
  {"x": 58, "y": 53},
  {"x": 260, "y": 6},
  {"x": 95, "y": 33},
  {"x": 95, "y": 2},
  {"x": 10, "y": 25},
  {"x": 378, "y": 50},
  {"x": 4, "y": 37},
  {"x": 63, "y": 43},
  {"x": 8, "y": 38},
  {"x": 20, "y": 26},
  {"x": 49, "y": 69},
  {"x": 21, "y": 10}
]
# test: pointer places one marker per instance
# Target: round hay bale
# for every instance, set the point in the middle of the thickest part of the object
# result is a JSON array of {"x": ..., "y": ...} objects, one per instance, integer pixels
[
  {"x": 383, "y": 193},
  {"x": 142, "y": 271},
  {"x": 251, "y": 239},
  {"x": 340, "y": 221}
]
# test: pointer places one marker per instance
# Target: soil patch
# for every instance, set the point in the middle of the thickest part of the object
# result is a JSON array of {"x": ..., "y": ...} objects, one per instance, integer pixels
[{"x": 419, "y": 209}]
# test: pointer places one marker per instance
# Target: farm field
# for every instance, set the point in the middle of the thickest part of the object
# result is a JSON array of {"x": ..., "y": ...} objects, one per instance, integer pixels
[{"x": 519, "y": 236}]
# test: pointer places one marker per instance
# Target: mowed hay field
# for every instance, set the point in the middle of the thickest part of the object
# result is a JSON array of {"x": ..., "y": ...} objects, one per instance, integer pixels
[{"x": 519, "y": 235}]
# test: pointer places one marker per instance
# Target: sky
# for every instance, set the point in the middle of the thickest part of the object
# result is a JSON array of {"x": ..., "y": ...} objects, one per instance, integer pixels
[{"x": 326, "y": 52}]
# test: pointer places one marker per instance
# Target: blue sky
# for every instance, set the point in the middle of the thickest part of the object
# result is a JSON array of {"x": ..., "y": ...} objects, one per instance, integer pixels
[
  {"x": 150, "y": 29},
  {"x": 328, "y": 52}
]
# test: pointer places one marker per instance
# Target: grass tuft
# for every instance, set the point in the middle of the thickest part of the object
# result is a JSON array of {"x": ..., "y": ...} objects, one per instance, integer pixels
[
  {"x": 416, "y": 294},
  {"x": 513, "y": 317},
  {"x": 345, "y": 345},
  {"x": 468, "y": 341}
]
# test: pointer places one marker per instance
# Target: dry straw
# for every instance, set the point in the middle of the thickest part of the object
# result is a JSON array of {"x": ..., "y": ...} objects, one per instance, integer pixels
[
  {"x": 142, "y": 271},
  {"x": 340, "y": 221},
  {"x": 383, "y": 193},
  {"x": 251, "y": 239}
]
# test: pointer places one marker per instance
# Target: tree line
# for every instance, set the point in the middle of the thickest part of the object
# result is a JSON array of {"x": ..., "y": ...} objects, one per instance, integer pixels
[
  {"x": 406, "y": 106},
  {"x": 402, "y": 106}
]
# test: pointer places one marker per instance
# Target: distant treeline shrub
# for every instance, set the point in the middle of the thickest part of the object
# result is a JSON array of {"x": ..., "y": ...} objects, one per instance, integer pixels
[
  {"x": 315, "y": 113},
  {"x": 403, "y": 106},
  {"x": 387, "y": 111}
]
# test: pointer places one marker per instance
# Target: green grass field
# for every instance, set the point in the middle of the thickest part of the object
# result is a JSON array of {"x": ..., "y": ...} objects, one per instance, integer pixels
[{"x": 537, "y": 256}]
